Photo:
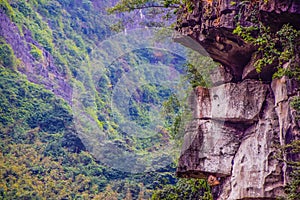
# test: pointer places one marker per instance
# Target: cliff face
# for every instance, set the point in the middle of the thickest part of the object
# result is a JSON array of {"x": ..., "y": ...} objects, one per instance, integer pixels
[{"x": 239, "y": 124}]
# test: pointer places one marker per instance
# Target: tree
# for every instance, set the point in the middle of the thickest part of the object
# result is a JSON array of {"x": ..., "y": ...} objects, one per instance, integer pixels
[
  {"x": 185, "y": 189},
  {"x": 128, "y": 6},
  {"x": 108, "y": 194},
  {"x": 158, "y": 11}
]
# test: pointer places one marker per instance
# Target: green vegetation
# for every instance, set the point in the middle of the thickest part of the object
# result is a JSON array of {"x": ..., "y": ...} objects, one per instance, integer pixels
[
  {"x": 185, "y": 189},
  {"x": 63, "y": 28},
  {"x": 292, "y": 188},
  {"x": 127, "y": 6},
  {"x": 277, "y": 47},
  {"x": 6, "y": 7},
  {"x": 171, "y": 5},
  {"x": 161, "y": 11},
  {"x": 34, "y": 127},
  {"x": 198, "y": 69},
  {"x": 36, "y": 52},
  {"x": 7, "y": 57},
  {"x": 23, "y": 103},
  {"x": 273, "y": 48},
  {"x": 41, "y": 154}
]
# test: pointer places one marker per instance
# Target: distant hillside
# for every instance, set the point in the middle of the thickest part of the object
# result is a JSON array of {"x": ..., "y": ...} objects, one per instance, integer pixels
[{"x": 56, "y": 104}]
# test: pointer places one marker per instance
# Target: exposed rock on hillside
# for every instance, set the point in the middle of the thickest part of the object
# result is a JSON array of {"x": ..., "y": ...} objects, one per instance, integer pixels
[
  {"x": 43, "y": 72},
  {"x": 237, "y": 125}
]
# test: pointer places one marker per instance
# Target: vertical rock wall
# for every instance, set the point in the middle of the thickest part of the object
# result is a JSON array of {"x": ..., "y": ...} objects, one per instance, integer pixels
[
  {"x": 235, "y": 134},
  {"x": 238, "y": 125}
]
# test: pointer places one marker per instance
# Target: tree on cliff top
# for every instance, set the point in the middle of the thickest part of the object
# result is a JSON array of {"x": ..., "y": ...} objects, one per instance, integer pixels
[
  {"x": 128, "y": 6},
  {"x": 160, "y": 12}
]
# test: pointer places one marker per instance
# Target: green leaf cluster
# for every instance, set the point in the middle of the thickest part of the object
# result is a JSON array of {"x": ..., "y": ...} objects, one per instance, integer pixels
[
  {"x": 185, "y": 189},
  {"x": 273, "y": 48},
  {"x": 7, "y": 56},
  {"x": 36, "y": 52}
]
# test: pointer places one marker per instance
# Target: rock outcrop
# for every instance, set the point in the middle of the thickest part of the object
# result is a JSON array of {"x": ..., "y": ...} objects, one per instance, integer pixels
[
  {"x": 238, "y": 124},
  {"x": 211, "y": 24},
  {"x": 44, "y": 72}
]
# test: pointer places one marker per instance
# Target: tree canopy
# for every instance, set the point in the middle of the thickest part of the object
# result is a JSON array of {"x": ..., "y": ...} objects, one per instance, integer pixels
[{"x": 128, "y": 6}]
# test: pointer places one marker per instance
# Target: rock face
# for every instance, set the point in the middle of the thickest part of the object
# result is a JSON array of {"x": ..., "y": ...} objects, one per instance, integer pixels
[
  {"x": 211, "y": 24},
  {"x": 234, "y": 134},
  {"x": 239, "y": 123},
  {"x": 44, "y": 72},
  {"x": 230, "y": 102}
]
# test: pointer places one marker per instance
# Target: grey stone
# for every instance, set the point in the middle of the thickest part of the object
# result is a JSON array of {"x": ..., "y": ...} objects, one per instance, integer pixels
[
  {"x": 220, "y": 76},
  {"x": 230, "y": 102},
  {"x": 237, "y": 142},
  {"x": 209, "y": 146}
]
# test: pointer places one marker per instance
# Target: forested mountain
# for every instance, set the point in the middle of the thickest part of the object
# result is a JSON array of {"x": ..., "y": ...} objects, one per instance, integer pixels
[{"x": 64, "y": 134}]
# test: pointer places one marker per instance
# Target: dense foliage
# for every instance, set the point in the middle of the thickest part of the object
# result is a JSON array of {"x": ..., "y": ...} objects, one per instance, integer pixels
[
  {"x": 7, "y": 57},
  {"x": 273, "y": 48},
  {"x": 42, "y": 156},
  {"x": 34, "y": 126},
  {"x": 276, "y": 44},
  {"x": 189, "y": 189},
  {"x": 277, "y": 47},
  {"x": 127, "y": 6},
  {"x": 162, "y": 12}
]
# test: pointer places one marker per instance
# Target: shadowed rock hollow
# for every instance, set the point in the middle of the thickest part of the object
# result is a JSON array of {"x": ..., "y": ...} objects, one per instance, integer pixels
[{"x": 237, "y": 124}]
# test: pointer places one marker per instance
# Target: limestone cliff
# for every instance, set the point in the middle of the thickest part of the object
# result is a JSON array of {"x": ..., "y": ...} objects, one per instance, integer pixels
[{"x": 239, "y": 124}]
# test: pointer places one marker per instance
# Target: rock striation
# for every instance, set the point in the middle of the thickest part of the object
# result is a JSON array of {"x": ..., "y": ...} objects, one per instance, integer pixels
[{"x": 239, "y": 123}]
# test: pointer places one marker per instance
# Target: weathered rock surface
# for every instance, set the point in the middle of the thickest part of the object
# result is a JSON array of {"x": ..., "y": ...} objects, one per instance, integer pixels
[
  {"x": 279, "y": 12},
  {"x": 250, "y": 72},
  {"x": 239, "y": 122},
  {"x": 238, "y": 140},
  {"x": 220, "y": 76},
  {"x": 230, "y": 102},
  {"x": 256, "y": 173},
  {"x": 211, "y": 23},
  {"x": 44, "y": 72},
  {"x": 209, "y": 146}
]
